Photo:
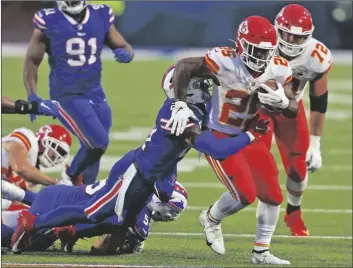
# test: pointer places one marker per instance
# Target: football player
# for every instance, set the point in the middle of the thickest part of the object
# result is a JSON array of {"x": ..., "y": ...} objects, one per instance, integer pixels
[
  {"x": 53, "y": 197},
  {"x": 23, "y": 152},
  {"x": 73, "y": 35},
  {"x": 130, "y": 184},
  {"x": 310, "y": 61},
  {"x": 239, "y": 91}
]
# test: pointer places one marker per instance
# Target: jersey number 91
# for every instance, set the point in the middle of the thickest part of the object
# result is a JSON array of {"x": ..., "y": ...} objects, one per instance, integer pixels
[{"x": 76, "y": 46}]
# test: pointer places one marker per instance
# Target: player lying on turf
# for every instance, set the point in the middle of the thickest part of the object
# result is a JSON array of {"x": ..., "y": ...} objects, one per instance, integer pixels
[
  {"x": 73, "y": 36},
  {"x": 55, "y": 197},
  {"x": 23, "y": 152},
  {"x": 127, "y": 191},
  {"x": 46, "y": 107},
  {"x": 310, "y": 61},
  {"x": 242, "y": 76}
]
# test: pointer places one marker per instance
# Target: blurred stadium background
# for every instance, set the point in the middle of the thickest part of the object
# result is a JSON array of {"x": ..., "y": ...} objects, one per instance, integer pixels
[{"x": 163, "y": 32}]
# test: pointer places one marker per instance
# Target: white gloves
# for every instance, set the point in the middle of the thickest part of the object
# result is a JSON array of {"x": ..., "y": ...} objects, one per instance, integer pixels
[
  {"x": 180, "y": 117},
  {"x": 274, "y": 98},
  {"x": 64, "y": 181},
  {"x": 313, "y": 155}
]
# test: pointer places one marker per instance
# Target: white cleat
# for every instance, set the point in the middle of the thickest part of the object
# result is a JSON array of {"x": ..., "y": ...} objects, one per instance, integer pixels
[
  {"x": 267, "y": 258},
  {"x": 213, "y": 233}
]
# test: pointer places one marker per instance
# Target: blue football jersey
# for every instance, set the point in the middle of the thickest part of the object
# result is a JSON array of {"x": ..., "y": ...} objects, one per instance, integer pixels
[
  {"x": 74, "y": 49},
  {"x": 157, "y": 158}
]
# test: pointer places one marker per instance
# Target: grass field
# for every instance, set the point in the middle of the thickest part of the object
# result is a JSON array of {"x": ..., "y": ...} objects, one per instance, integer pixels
[{"x": 135, "y": 96}]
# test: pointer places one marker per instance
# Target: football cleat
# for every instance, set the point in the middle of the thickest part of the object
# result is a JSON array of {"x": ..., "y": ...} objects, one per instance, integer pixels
[
  {"x": 76, "y": 180},
  {"x": 296, "y": 224},
  {"x": 267, "y": 258},
  {"x": 20, "y": 239},
  {"x": 213, "y": 233}
]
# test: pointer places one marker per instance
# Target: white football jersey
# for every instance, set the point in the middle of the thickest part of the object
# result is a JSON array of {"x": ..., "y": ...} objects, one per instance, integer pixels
[
  {"x": 233, "y": 104},
  {"x": 315, "y": 59},
  {"x": 26, "y": 138}
]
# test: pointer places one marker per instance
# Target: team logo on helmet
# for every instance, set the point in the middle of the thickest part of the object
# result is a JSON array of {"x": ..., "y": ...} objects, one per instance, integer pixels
[
  {"x": 45, "y": 129},
  {"x": 243, "y": 28}
]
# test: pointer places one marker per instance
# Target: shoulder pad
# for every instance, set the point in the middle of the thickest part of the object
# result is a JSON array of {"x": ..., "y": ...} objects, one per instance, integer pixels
[
  {"x": 24, "y": 136},
  {"x": 280, "y": 70},
  {"x": 220, "y": 58},
  {"x": 319, "y": 56},
  {"x": 106, "y": 12},
  {"x": 43, "y": 17}
]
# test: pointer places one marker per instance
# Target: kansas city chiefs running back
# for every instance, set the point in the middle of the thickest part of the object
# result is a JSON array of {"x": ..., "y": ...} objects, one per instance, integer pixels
[
  {"x": 310, "y": 61},
  {"x": 238, "y": 75}
]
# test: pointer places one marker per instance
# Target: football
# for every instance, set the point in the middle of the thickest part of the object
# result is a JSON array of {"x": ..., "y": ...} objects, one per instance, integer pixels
[{"x": 272, "y": 84}]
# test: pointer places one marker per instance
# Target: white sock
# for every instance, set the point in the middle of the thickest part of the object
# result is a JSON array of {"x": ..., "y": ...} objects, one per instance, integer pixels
[
  {"x": 11, "y": 192},
  {"x": 295, "y": 190},
  {"x": 267, "y": 216},
  {"x": 225, "y": 206}
]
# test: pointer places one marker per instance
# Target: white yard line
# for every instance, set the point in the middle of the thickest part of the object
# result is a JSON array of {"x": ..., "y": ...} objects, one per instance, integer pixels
[
  {"x": 211, "y": 185},
  {"x": 251, "y": 235},
  {"x": 68, "y": 265},
  {"x": 308, "y": 210}
]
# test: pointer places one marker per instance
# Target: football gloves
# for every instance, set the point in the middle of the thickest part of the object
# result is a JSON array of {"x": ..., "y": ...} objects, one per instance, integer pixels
[
  {"x": 258, "y": 127},
  {"x": 180, "y": 117},
  {"x": 122, "y": 55},
  {"x": 33, "y": 98},
  {"x": 313, "y": 155},
  {"x": 275, "y": 98}
]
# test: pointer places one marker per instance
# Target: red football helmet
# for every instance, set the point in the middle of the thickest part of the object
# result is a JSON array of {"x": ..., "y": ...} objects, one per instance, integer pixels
[
  {"x": 54, "y": 145},
  {"x": 295, "y": 28},
  {"x": 256, "y": 42}
]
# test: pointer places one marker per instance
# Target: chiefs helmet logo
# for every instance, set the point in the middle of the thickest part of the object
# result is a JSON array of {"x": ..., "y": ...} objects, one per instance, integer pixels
[
  {"x": 243, "y": 28},
  {"x": 45, "y": 130}
]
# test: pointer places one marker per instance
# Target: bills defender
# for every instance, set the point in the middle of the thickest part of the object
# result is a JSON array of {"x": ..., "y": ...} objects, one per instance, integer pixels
[
  {"x": 52, "y": 197},
  {"x": 129, "y": 187},
  {"x": 241, "y": 75},
  {"x": 310, "y": 61},
  {"x": 23, "y": 152},
  {"x": 73, "y": 36}
]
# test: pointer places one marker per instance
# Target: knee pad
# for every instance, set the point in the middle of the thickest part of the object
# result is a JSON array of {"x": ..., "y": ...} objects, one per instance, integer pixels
[
  {"x": 247, "y": 198},
  {"x": 297, "y": 169}
]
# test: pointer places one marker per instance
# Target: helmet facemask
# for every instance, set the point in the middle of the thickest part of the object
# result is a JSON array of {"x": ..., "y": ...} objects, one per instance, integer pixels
[
  {"x": 198, "y": 91},
  {"x": 72, "y": 7},
  {"x": 292, "y": 44},
  {"x": 55, "y": 153},
  {"x": 256, "y": 57}
]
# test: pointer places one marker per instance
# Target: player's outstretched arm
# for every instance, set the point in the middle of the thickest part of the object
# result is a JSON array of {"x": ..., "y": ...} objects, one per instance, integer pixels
[
  {"x": 34, "y": 56},
  {"x": 206, "y": 142},
  {"x": 9, "y": 106},
  {"x": 18, "y": 161},
  {"x": 123, "y": 50}
]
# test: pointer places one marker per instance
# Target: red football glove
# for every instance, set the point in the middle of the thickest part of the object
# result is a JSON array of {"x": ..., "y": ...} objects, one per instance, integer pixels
[{"x": 258, "y": 127}]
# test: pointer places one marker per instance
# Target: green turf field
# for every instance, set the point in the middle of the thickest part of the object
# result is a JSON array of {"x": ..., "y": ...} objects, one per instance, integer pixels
[{"x": 135, "y": 96}]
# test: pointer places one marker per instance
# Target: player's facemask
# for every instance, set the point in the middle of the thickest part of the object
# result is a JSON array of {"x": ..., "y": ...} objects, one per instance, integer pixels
[
  {"x": 292, "y": 44},
  {"x": 72, "y": 7},
  {"x": 255, "y": 57},
  {"x": 198, "y": 91},
  {"x": 52, "y": 152}
]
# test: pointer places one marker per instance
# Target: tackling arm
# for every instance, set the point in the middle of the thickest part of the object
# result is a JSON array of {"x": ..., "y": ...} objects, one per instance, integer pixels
[
  {"x": 9, "y": 106},
  {"x": 34, "y": 56},
  {"x": 19, "y": 164}
]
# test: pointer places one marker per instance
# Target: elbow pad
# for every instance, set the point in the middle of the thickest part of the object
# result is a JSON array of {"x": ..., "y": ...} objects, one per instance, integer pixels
[{"x": 319, "y": 103}]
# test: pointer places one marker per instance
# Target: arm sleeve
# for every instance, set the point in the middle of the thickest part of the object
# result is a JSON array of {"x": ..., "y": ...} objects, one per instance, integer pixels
[
  {"x": 40, "y": 21},
  {"x": 207, "y": 143}
]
